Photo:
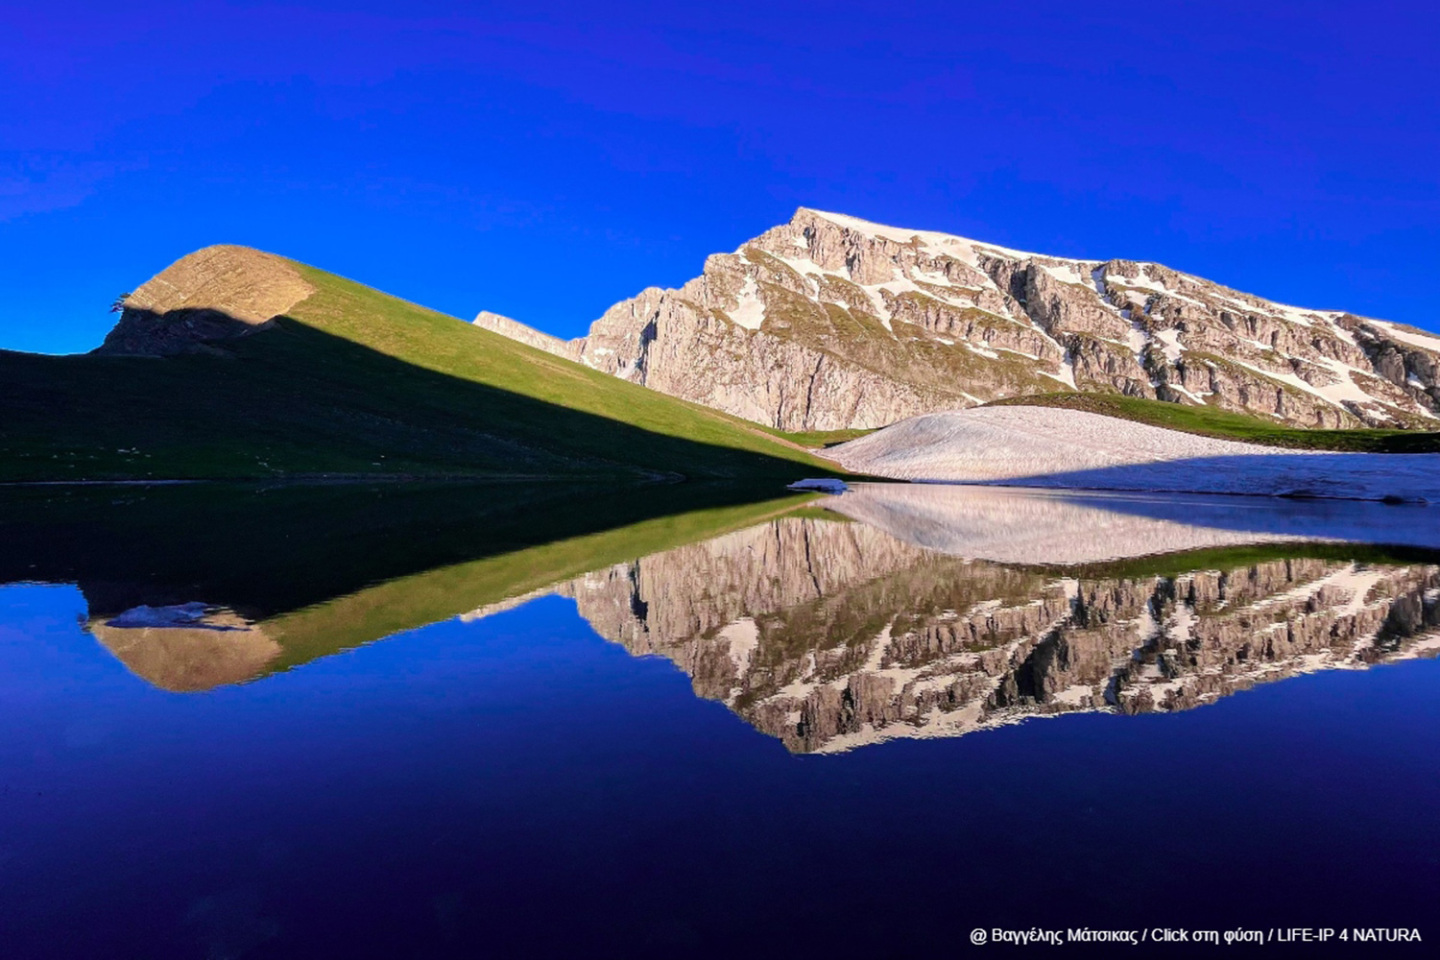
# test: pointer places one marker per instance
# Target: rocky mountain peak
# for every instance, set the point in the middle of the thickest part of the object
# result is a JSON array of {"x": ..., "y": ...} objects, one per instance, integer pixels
[
  {"x": 214, "y": 294},
  {"x": 831, "y": 322}
]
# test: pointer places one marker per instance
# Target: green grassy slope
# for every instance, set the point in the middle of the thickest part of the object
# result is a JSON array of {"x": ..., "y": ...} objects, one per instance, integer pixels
[
  {"x": 1210, "y": 422},
  {"x": 354, "y": 381},
  {"x": 819, "y": 439}
]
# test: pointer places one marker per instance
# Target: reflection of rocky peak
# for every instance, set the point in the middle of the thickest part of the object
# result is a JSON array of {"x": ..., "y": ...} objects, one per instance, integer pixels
[
  {"x": 830, "y": 322},
  {"x": 830, "y": 635},
  {"x": 704, "y": 588}
]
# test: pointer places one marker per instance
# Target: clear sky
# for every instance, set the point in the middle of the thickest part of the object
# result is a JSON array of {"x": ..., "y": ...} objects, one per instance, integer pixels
[{"x": 544, "y": 160}]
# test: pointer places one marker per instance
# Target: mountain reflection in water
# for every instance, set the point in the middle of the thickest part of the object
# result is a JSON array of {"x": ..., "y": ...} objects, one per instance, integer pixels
[{"x": 908, "y": 611}]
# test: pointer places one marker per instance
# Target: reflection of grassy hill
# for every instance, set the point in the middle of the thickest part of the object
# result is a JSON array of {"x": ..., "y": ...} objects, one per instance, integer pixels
[
  {"x": 1244, "y": 555},
  {"x": 1214, "y": 422},
  {"x": 323, "y": 569},
  {"x": 352, "y": 381},
  {"x": 265, "y": 552},
  {"x": 347, "y": 566},
  {"x": 415, "y": 601}
]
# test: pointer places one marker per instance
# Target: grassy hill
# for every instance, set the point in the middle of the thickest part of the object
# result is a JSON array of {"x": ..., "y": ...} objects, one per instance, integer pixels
[
  {"x": 1213, "y": 422},
  {"x": 353, "y": 381}
]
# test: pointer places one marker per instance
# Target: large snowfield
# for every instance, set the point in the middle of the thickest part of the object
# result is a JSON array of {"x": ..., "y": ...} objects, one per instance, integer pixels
[{"x": 1048, "y": 447}]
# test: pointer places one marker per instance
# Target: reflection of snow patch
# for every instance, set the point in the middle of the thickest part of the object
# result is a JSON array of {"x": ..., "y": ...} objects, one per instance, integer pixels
[
  {"x": 820, "y": 485},
  {"x": 1146, "y": 626},
  {"x": 191, "y": 615},
  {"x": 743, "y": 636}
]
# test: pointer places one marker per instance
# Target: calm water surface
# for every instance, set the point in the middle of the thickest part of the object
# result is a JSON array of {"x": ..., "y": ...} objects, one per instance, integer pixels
[{"x": 790, "y": 728}]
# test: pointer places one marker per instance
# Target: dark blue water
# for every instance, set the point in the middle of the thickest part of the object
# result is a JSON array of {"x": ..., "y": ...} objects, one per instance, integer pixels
[{"x": 518, "y": 786}]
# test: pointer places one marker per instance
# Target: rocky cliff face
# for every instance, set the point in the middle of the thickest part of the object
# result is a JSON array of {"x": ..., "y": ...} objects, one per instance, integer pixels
[
  {"x": 830, "y": 322},
  {"x": 831, "y": 635},
  {"x": 210, "y": 296}
]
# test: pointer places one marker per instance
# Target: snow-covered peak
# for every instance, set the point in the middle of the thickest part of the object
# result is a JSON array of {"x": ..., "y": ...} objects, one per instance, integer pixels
[
  {"x": 929, "y": 238},
  {"x": 830, "y": 321}
]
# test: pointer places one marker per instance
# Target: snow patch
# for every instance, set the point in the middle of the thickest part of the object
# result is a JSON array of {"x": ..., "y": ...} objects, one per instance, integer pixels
[
  {"x": 1425, "y": 341},
  {"x": 1065, "y": 272},
  {"x": 1170, "y": 344},
  {"x": 750, "y": 311},
  {"x": 926, "y": 237},
  {"x": 1067, "y": 371},
  {"x": 1046, "y": 447}
]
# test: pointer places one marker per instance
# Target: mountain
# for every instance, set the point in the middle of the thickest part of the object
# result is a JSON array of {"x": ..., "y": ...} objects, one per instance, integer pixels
[
  {"x": 890, "y": 611},
  {"x": 830, "y": 636},
  {"x": 234, "y": 363},
  {"x": 829, "y": 322}
]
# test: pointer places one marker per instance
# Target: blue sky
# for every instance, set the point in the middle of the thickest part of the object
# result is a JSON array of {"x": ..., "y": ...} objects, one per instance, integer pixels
[{"x": 546, "y": 160}]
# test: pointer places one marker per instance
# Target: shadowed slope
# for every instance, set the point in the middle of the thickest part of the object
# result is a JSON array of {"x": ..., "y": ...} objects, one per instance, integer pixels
[
  {"x": 189, "y": 606},
  {"x": 350, "y": 381},
  {"x": 264, "y": 552}
]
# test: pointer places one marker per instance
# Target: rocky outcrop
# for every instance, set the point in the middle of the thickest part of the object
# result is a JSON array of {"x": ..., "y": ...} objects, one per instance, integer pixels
[
  {"x": 830, "y": 322},
  {"x": 187, "y": 648},
  {"x": 516, "y": 330},
  {"x": 831, "y": 635},
  {"x": 203, "y": 299}
]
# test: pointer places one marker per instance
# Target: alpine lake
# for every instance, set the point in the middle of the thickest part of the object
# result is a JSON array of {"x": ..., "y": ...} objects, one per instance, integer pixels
[{"x": 675, "y": 720}]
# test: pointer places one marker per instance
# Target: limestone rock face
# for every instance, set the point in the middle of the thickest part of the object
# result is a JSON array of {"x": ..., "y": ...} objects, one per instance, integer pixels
[
  {"x": 212, "y": 295},
  {"x": 830, "y": 636},
  {"x": 516, "y": 330},
  {"x": 829, "y": 322}
]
